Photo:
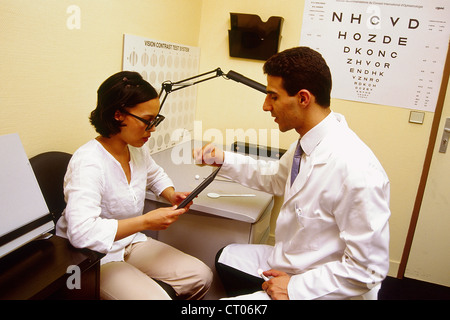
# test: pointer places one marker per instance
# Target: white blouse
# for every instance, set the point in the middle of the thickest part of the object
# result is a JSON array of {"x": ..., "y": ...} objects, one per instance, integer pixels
[{"x": 98, "y": 194}]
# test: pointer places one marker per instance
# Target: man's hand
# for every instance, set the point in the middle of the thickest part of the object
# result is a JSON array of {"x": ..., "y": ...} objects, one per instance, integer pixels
[
  {"x": 276, "y": 287},
  {"x": 209, "y": 154}
]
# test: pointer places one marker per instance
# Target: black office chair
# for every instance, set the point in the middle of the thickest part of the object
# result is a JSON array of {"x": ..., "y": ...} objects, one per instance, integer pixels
[{"x": 49, "y": 169}]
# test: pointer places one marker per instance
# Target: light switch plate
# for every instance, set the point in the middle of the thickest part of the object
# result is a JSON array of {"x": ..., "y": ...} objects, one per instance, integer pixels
[{"x": 416, "y": 117}]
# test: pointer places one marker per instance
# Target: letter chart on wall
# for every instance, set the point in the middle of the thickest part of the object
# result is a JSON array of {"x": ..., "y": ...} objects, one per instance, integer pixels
[
  {"x": 159, "y": 61},
  {"x": 389, "y": 52}
]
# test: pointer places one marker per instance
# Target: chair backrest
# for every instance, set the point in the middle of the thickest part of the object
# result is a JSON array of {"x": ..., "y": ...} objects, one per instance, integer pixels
[{"x": 49, "y": 169}]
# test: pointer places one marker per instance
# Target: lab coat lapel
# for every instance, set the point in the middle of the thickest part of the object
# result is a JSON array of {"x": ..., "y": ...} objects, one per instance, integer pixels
[{"x": 317, "y": 149}]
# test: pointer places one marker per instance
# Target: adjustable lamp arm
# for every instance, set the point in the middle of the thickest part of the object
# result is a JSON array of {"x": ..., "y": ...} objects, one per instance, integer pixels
[{"x": 169, "y": 86}]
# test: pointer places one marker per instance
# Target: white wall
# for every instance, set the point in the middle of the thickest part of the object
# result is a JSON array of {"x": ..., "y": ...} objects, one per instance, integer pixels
[{"x": 51, "y": 73}]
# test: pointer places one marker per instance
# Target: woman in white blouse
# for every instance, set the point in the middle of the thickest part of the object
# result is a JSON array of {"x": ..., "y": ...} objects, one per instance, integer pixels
[{"x": 105, "y": 188}]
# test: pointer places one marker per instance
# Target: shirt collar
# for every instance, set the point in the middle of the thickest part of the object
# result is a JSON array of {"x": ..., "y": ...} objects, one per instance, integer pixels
[{"x": 314, "y": 136}]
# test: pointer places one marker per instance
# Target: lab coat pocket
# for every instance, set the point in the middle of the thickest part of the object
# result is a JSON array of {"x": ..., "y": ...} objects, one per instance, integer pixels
[{"x": 308, "y": 236}]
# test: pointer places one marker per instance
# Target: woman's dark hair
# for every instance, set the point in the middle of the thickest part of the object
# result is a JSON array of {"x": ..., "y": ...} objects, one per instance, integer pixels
[
  {"x": 302, "y": 68},
  {"x": 122, "y": 90}
]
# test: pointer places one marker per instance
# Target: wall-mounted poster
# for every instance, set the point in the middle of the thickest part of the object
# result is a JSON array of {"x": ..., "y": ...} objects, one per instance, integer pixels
[
  {"x": 158, "y": 61},
  {"x": 389, "y": 52}
]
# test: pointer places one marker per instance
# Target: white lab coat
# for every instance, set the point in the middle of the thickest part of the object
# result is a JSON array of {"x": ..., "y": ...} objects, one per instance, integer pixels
[{"x": 332, "y": 233}]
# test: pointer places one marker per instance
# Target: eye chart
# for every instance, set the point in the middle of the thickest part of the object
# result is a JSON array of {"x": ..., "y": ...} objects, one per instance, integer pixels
[
  {"x": 159, "y": 61},
  {"x": 389, "y": 52}
]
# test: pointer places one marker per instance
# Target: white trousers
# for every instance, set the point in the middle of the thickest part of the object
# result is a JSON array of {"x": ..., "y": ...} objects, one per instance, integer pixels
[{"x": 249, "y": 258}]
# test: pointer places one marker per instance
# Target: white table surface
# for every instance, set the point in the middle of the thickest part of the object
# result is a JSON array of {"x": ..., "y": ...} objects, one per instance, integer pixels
[{"x": 183, "y": 175}]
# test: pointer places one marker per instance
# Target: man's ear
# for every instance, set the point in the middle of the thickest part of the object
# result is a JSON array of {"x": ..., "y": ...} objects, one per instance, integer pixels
[{"x": 304, "y": 97}]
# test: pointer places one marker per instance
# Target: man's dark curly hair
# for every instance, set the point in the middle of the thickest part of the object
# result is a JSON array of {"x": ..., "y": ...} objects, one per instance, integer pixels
[{"x": 302, "y": 68}]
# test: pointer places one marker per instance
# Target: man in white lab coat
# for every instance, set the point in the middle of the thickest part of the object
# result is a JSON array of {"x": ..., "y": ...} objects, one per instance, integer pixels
[{"x": 332, "y": 232}]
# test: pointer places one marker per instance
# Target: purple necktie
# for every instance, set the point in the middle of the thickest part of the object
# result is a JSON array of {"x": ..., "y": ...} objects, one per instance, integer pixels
[{"x": 296, "y": 163}]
